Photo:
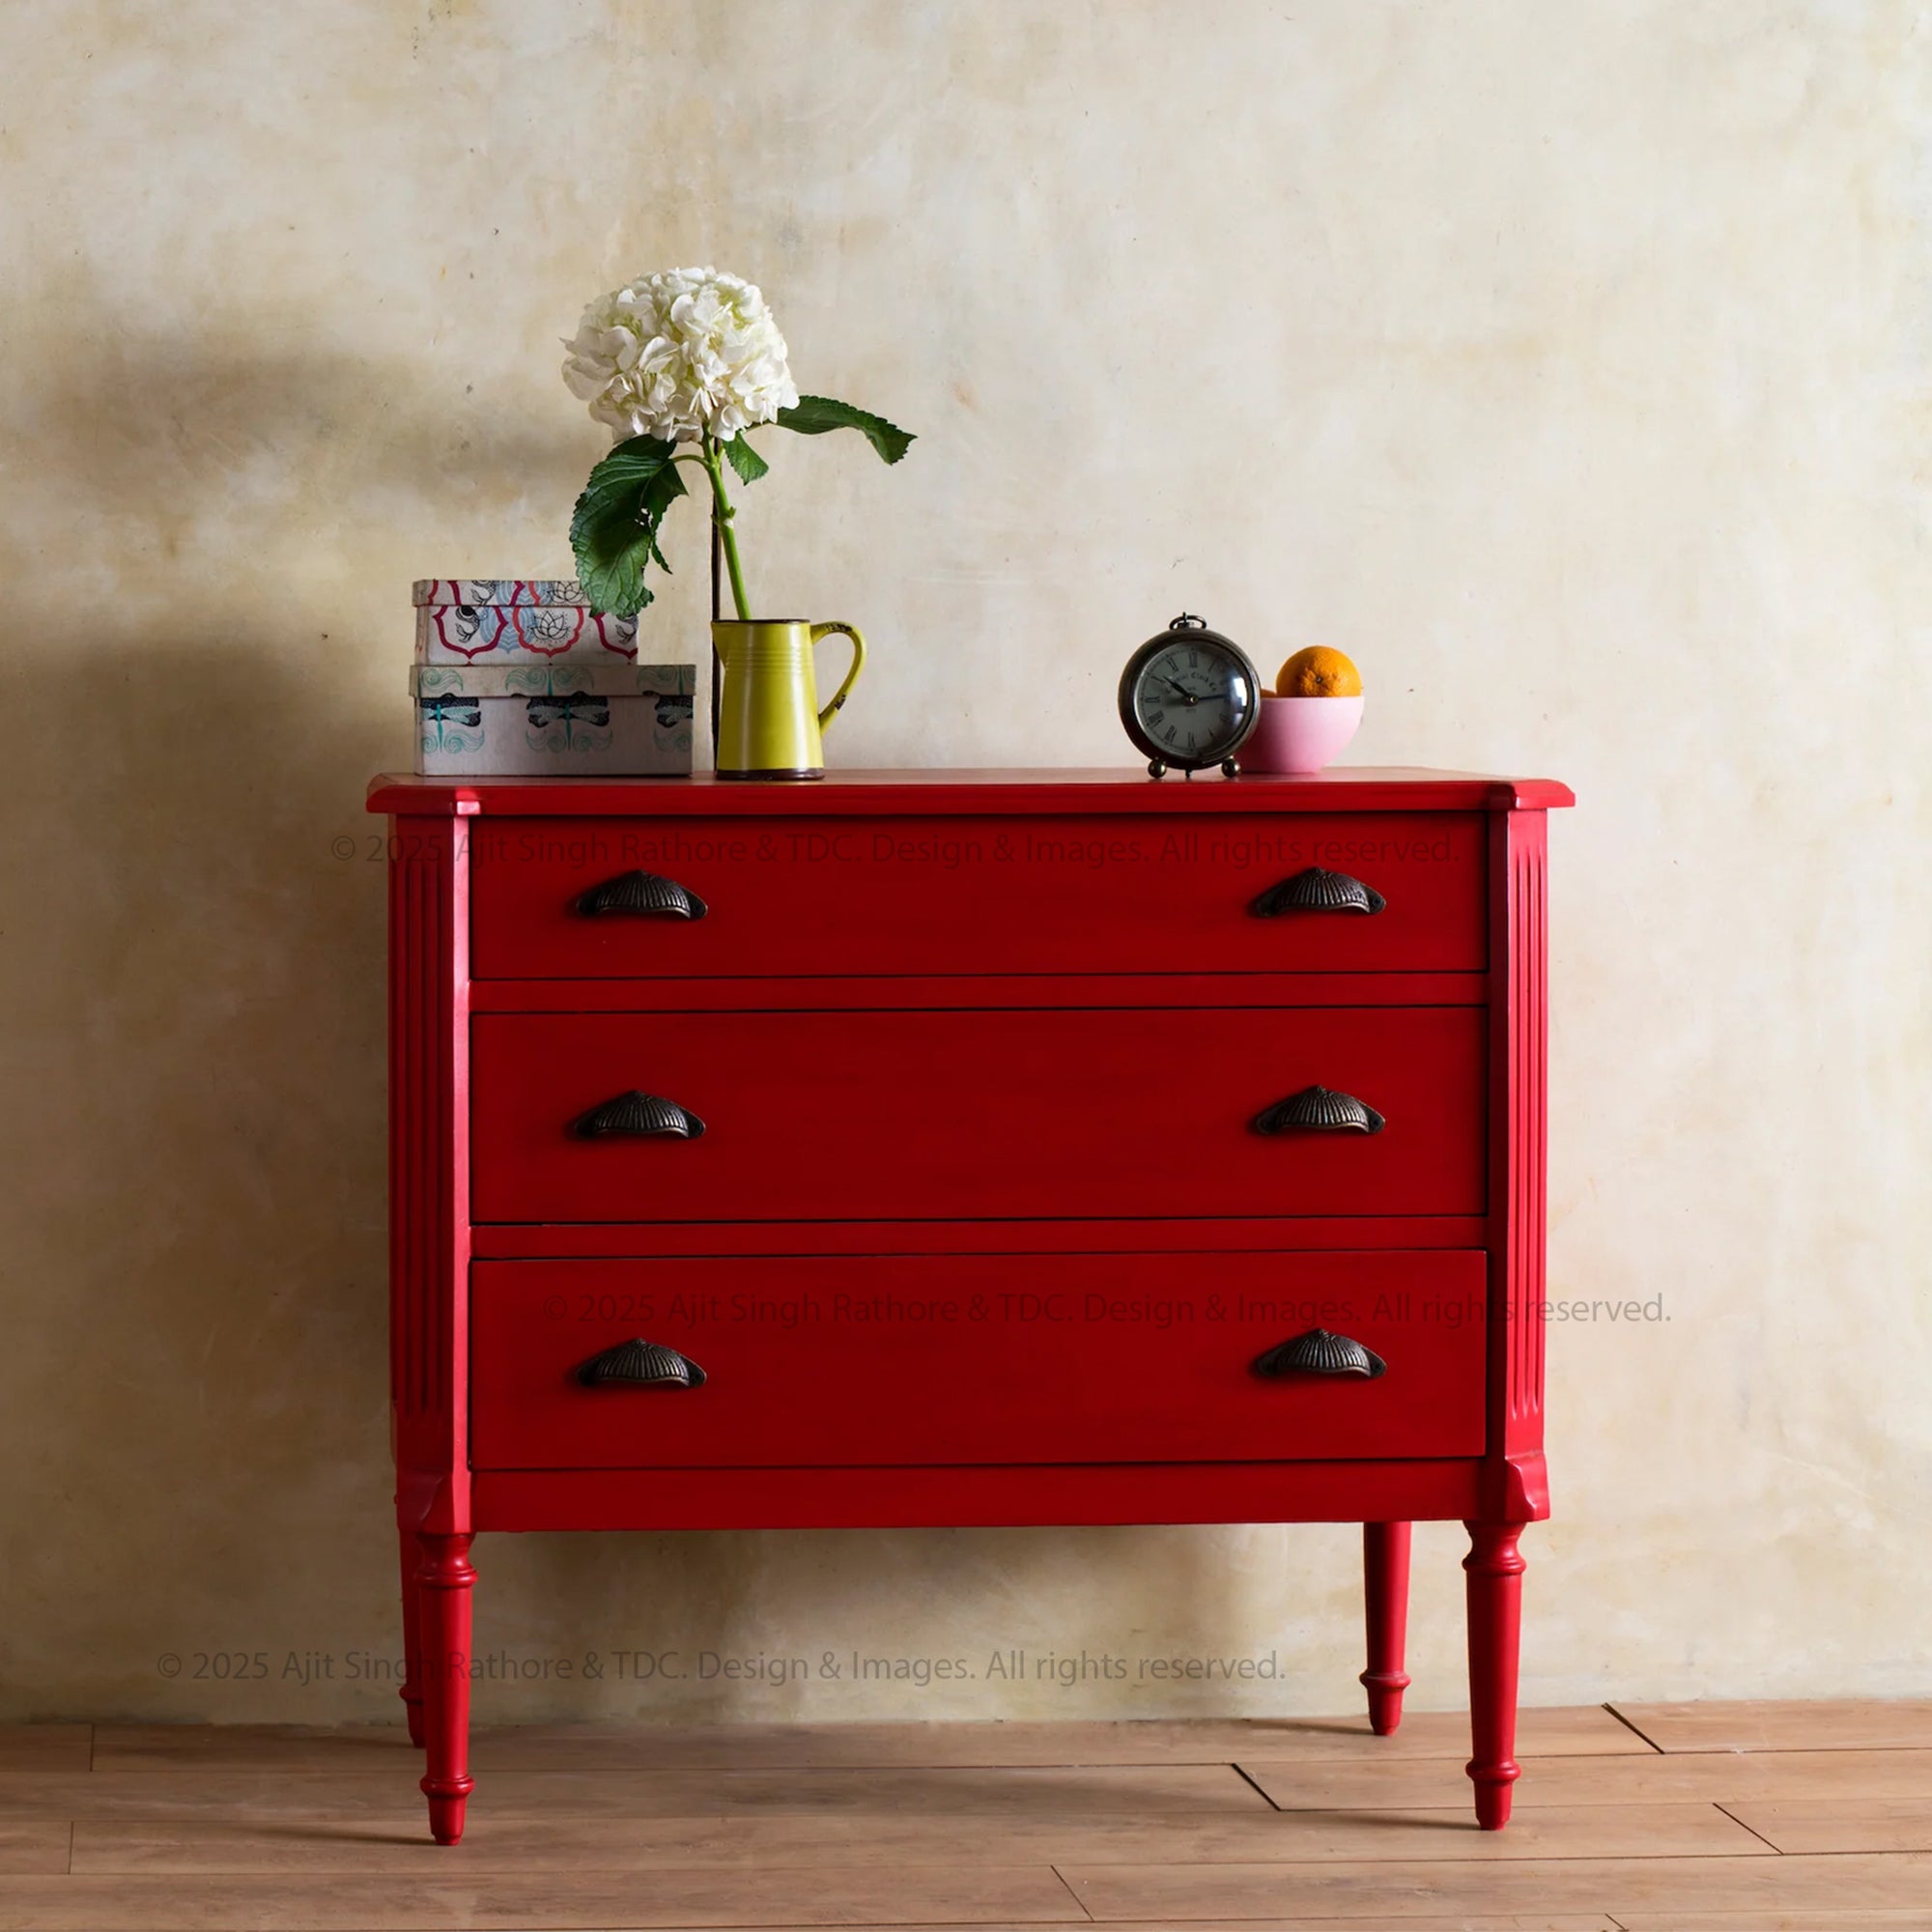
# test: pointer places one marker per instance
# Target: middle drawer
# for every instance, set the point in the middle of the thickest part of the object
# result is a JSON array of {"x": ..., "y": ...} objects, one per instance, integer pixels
[{"x": 969, "y": 1114}]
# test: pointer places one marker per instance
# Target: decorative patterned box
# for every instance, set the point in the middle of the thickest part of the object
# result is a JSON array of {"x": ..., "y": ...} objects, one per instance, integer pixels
[
  {"x": 500, "y": 621},
  {"x": 523, "y": 591},
  {"x": 560, "y": 719}
]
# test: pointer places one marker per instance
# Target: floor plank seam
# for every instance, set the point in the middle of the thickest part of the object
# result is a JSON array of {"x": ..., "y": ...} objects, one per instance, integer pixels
[
  {"x": 1243, "y": 1774},
  {"x": 1751, "y": 1829},
  {"x": 1085, "y": 1914},
  {"x": 1781, "y": 1751},
  {"x": 1632, "y": 1729}
]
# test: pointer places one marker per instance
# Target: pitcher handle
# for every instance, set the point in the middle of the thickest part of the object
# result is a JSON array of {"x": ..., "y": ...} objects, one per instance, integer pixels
[{"x": 844, "y": 691}]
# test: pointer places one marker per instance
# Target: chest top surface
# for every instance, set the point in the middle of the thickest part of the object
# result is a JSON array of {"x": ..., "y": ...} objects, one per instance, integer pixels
[{"x": 939, "y": 791}]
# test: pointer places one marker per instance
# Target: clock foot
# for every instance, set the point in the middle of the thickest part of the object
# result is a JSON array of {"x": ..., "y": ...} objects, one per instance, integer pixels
[
  {"x": 1155, "y": 769},
  {"x": 1229, "y": 769}
]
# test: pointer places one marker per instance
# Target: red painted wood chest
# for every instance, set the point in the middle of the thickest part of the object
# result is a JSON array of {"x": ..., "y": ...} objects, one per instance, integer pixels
[{"x": 1147, "y": 1152}]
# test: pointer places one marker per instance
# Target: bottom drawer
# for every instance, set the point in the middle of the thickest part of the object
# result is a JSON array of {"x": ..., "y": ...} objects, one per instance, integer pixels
[{"x": 975, "y": 1358}]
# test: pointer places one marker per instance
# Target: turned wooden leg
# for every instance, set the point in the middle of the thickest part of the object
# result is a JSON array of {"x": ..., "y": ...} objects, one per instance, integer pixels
[
  {"x": 412, "y": 1692},
  {"x": 443, "y": 1581},
  {"x": 1494, "y": 1567},
  {"x": 1385, "y": 1598}
]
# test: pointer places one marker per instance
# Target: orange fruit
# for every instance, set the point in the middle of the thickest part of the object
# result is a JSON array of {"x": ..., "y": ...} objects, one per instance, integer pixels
[{"x": 1317, "y": 672}]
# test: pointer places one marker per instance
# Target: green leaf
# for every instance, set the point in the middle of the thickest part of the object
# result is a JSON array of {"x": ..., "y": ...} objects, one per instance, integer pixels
[
  {"x": 660, "y": 494},
  {"x": 615, "y": 529},
  {"x": 744, "y": 459},
  {"x": 816, "y": 414}
]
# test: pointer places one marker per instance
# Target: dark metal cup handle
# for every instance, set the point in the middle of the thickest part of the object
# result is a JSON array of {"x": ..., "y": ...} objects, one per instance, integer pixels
[
  {"x": 641, "y": 895},
  {"x": 1317, "y": 890},
  {"x": 1320, "y": 1110},
  {"x": 1317, "y": 1352},
  {"x": 640, "y": 1364},
  {"x": 636, "y": 1115}
]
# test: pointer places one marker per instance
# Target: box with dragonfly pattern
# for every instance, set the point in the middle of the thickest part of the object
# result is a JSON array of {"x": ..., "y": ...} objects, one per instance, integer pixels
[{"x": 556, "y": 719}]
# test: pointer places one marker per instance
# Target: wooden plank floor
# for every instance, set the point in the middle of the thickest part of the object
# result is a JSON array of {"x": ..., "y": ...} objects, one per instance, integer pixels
[{"x": 1678, "y": 1818}]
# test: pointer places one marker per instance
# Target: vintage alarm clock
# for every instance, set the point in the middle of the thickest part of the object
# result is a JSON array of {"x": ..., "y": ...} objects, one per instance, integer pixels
[{"x": 1189, "y": 698}]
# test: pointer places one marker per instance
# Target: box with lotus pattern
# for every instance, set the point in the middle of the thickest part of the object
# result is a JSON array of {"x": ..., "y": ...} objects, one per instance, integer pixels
[
  {"x": 514, "y": 590},
  {"x": 508, "y": 619}
]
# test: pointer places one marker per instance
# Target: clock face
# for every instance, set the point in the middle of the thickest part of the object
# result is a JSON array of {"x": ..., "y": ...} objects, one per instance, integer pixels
[{"x": 1189, "y": 699}]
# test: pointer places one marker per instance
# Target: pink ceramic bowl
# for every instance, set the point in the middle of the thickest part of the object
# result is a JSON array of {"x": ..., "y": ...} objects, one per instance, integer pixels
[{"x": 1299, "y": 735}]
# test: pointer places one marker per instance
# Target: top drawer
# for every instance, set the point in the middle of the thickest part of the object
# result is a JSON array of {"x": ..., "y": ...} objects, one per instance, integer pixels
[{"x": 786, "y": 897}]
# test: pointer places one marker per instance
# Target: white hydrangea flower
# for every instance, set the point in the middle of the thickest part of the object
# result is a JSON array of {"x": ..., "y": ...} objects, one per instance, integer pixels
[{"x": 676, "y": 354}]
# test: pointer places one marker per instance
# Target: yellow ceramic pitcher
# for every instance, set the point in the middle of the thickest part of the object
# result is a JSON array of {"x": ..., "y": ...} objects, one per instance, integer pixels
[{"x": 769, "y": 720}]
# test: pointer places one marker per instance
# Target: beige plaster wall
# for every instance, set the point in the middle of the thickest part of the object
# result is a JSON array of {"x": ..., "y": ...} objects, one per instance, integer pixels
[{"x": 1567, "y": 363}]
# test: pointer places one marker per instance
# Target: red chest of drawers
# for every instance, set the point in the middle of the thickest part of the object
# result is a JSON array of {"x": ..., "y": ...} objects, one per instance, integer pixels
[{"x": 920, "y": 1148}]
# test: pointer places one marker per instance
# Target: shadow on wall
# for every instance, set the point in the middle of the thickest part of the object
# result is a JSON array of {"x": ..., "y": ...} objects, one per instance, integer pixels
[
  {"x": 193, "y": 964},
  {"x": 204, "y": 658}
]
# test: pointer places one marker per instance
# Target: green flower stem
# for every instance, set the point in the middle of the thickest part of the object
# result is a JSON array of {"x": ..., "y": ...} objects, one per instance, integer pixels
[{"x": 723, "y": 513}]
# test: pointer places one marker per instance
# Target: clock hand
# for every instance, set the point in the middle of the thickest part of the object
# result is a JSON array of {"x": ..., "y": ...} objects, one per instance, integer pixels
[{"x": 1180, "y": 689}]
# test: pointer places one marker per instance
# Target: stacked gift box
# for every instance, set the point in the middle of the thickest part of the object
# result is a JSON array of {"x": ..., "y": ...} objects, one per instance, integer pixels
[{"x": 520, "y": 675}]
